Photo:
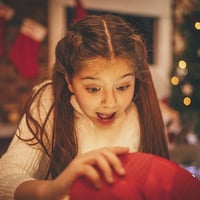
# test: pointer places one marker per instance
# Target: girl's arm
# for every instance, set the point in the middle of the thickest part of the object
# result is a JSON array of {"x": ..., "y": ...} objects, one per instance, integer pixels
[
  {"x": 20, "y": 163},
  {"x": 25, "y": 162},
  {"x": 106, "y": 159}
]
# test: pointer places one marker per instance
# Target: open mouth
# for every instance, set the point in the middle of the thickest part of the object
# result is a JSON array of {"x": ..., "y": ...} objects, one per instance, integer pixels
[{"x": 106, "y": 119}]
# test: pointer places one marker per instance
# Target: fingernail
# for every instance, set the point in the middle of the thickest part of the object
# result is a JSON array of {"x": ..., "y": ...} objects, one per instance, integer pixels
[
  {"x": 111, "y": 180},
  {"x": 122, "y": 171}
]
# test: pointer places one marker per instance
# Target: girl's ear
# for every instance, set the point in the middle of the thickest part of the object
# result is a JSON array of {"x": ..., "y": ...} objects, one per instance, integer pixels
[{"x": 69, "y": 84}]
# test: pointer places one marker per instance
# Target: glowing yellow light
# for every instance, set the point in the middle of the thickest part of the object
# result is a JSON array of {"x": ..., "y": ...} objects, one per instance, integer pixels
[
  {"x": 174, "y": 80},
  {"x": 197, "y": 25},
  {"x": 182, "y": 64},
  {"x": 187, "y": 101}
]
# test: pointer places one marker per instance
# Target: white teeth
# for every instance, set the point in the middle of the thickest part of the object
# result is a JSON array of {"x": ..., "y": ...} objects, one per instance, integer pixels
[{"x": 105, "y": 116}]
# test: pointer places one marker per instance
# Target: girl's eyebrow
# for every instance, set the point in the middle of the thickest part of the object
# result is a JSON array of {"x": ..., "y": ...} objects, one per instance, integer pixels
[
  {"x": 94, "y": 78},
  {"x": 125, "y": 75}
]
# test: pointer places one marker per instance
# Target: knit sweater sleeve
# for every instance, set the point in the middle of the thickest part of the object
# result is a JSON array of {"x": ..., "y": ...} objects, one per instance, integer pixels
[{"x": 23, "y": 161}]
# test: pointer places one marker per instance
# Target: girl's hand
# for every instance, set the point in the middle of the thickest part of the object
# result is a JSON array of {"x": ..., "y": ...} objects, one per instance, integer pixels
[{"x": 105, "y": 159}]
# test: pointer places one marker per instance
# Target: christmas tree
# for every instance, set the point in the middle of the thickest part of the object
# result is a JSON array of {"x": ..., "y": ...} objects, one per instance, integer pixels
[{"x": 185, "y": 78}]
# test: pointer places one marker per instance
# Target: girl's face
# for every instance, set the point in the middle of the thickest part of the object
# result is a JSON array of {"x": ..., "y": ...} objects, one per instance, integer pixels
[{"x": 104, "y": 89}]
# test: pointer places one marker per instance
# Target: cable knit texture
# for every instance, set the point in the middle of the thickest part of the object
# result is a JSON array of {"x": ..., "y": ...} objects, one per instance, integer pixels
[{"x": 24, "y": 162}]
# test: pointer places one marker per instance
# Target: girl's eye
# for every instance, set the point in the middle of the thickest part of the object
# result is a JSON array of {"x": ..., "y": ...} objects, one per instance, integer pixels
[
  {"x": 93, "y": 90},
  {"x": 122, "y": 87}
]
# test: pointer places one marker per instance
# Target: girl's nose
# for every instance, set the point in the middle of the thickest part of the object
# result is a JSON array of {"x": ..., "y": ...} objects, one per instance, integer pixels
[{"x": 109, "y": 99}]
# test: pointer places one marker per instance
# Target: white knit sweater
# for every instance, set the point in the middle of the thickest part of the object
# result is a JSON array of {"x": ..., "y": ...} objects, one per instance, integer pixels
[{"x": 24, "y": 162}]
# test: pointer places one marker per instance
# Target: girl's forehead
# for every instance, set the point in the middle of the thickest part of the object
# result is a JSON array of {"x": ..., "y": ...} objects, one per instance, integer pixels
[{"x": 101, "y": 65}]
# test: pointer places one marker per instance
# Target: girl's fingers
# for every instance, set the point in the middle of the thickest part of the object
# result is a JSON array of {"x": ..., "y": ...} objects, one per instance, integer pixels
[
  {"x": 78, "y": 169},
  {"x": 105, "y": 168},
  {"x": 92, "y": 165},
  {"x": 119, "y": 150},
  {"x": 92, "y": 174},
  {"x": 107, "y": 160},
  {"x": 114, "y": 161},
  {"x": 98, "y": 163}
]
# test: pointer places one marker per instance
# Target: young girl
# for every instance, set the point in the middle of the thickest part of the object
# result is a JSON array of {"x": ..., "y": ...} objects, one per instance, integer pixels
[{"x": 99, "y": 104}]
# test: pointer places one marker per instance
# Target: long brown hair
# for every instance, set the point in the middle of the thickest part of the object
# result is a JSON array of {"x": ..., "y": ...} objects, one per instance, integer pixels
[{"x": 104, "y": 36}]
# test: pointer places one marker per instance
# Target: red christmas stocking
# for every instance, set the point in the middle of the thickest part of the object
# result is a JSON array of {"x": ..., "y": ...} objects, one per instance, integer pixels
[
  {"x": 80, "y": 11},
  {"x": 5, "y": 14},
  {"x": 24, "y": 52}
]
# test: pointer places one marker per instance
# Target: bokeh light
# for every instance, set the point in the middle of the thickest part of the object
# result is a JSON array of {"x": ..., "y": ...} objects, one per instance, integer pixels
[
  {"x": 182, "y": 64},
  {"x": 197, "y": 25},
  {"x": 174, "y": 80},
  {"x": 187, "y": 101}
]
